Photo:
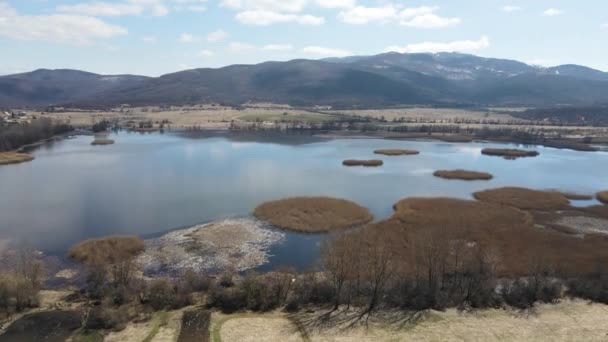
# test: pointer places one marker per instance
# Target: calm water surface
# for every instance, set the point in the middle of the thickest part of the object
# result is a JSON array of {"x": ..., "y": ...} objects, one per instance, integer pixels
[{"x": 148, "y": 184}]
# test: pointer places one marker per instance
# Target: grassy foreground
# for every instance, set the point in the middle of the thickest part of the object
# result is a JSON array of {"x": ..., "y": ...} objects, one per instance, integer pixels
[
  {"x": 313, "y": 214},
  {"x": 7, "y": 158}
]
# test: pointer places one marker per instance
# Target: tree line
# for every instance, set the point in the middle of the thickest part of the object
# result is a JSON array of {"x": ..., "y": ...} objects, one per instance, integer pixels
[{"x": 13, "y": 136}]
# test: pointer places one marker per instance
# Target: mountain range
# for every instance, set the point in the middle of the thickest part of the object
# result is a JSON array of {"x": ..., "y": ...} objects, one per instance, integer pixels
[{"x": 449, "y": 79}]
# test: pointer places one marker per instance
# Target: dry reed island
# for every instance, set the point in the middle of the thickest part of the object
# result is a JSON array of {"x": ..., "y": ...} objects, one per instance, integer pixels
[
  {"x": 603, "y": 197},
  {"x": 513, "y": 264},
  {"x": 313, "y": 214},
  {"x": 397, "y": 152},
  {"x": 7, "y": 158},
  {"x": 463, "y": 175},
  {"x": 509, "y": 153},
  {"x": 365, "y": 163},
  {"x": 102, "y": 141}
]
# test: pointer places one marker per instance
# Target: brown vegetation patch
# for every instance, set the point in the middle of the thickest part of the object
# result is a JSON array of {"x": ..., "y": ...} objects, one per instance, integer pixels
[
  {"x": 43, "y": 326},
  {"x": 463, "y": 175},
  {"x": 313, "y": 214},
  {"x": 603, "y": 197},
  {"x": 508, "y": 153},
  {"x": 109, "y": 250},
  {"x": 14, "y": 158},
  {"x": 397, "y": 152},
  {"x": 573, "y": 196},
  {"x": 366, "y": 163},
  {"x": 195, "y": 326},
  {"x": 102, "y": 142},
  {"x": 523, "y": 198},
  {"x": 506, "y": 232}
]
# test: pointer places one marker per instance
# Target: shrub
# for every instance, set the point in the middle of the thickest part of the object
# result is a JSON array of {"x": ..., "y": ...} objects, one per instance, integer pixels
[{"x": 228, "y": 300}]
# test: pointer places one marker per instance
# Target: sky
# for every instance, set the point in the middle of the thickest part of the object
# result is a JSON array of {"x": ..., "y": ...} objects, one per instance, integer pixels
[{"x": 155, "y": 37}]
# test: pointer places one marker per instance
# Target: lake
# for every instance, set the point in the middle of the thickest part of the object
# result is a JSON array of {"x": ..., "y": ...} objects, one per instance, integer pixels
[{"x": 147, "y": 184}]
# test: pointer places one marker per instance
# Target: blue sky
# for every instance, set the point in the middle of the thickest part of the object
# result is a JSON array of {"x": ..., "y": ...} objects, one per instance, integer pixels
[{"x": 154, "y": 37}]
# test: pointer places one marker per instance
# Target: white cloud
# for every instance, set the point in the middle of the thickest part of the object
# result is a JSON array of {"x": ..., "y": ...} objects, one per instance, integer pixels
[
  {"x": 58, "y": 28},
  {"x": 363, "y": 15},
  {"x": 430, "y": 21},
  {"x": 197, "y": 8},
  {"x": 291, "y": 6},
  {"x": 111, "y": 9},
  {"x": 336, "y": 3},
  {"x": 552, "y": 12},
  {"x": 265, "y": 18},
  {"x": 205, "y": 53},
  {"x": 419, "y": 17},
  {"x": 149, "y": 39},
  {"x": 325, "y": 51},
  {"x": 605, "y": 25},
  {"x": 240, "y": 47},
  {"x": 217, "y": 36},
  {"x": 433, "y": 47},
  {"x": 187, "y": 38},
  {"x": 510, "y": 8},
  {"x": 277, "y": 47}
]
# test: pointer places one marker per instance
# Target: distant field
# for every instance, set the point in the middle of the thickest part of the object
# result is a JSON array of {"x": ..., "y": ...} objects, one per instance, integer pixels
[
  {"x": 271, "y": 115},
  {"x": 429, "y": 113}
]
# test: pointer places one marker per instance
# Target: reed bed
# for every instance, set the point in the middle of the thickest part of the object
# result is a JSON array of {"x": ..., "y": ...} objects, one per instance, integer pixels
[
  {"x": 463, "y": 175},
  {"x": 507, "y": 233},
  {"x": 313, "y": 214},
  {"x": 509, "y": 153},
  {"x": 102, "y": 142},
  {"x": 7, "y": 158},
  {"x": 523, "y": 198},
  {"x": 602, "y": 197},
  {"x": 365, "y": 163},
  {"x": 397, "y": 152},
  {"x": 573, "y": 196},
  {"x": 109, "y": 250}
]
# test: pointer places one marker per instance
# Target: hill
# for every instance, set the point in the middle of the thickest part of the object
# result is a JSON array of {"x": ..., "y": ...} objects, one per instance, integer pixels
[{"x": 450, "y": 79}]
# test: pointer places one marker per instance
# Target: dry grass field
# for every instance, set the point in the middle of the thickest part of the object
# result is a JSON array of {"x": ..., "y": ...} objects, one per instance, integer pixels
[
  {"x": 313, "y": 214},
  {"x": 397, "y": 152},
  {"x": 429, "y": 114},
  {"x": 463, "y": 175},
  {"x": 7, "y": 158},
  {"x": 566, "y": 321}
]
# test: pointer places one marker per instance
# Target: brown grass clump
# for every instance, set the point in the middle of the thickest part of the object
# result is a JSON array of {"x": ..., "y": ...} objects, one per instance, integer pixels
[
  {"x": 313, "y": 214},
  {"x": 576, "y": 196},
  {"x": 109, "y": 250},
  {"x": 102, "y": 142},
  {"x": 523, "y": 198},
  {"x": 463, "y": 175},
  {"x": 397, "y": 152},
  {"x": 508, "y": 233},
  {"x": 508, "y": 153},
  {"x": 14, "y": 158},
  {"x": 603, "y": 197},
  {"x": 366, "y": 163}
]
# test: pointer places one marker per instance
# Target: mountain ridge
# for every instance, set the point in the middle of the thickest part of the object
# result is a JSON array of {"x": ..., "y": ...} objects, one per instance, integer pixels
[{"x": 356, "y": 81}]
